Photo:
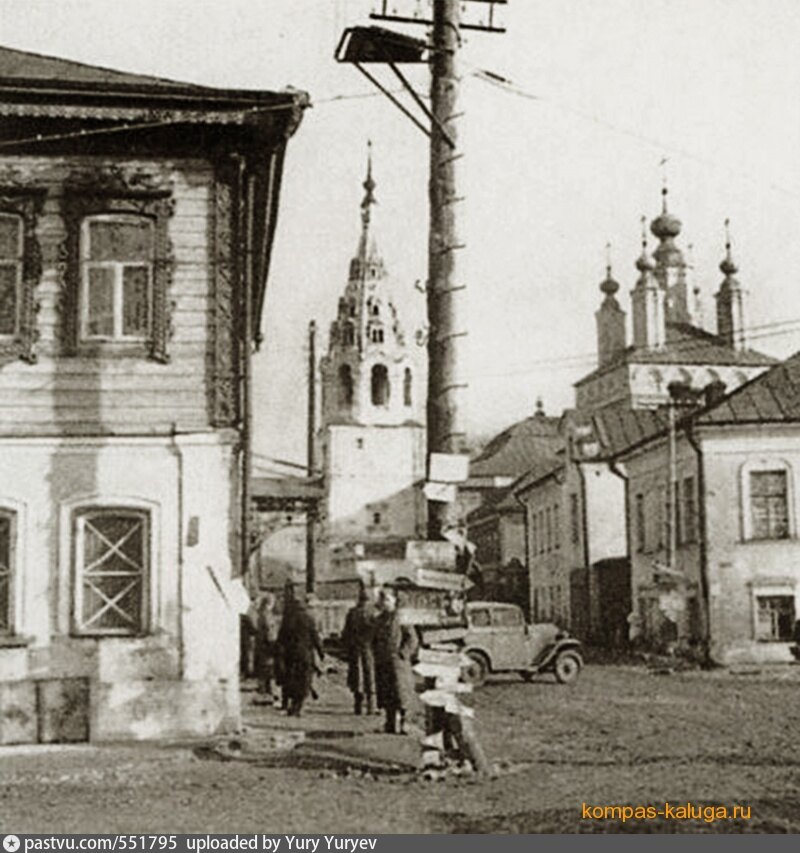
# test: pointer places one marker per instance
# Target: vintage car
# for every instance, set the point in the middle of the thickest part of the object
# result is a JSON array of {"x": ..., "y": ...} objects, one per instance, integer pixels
[{"x": 499, "y": 640}]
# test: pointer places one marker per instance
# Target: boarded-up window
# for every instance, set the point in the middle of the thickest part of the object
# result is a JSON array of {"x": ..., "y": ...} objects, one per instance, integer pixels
[
  {"x": 111, "y": 566},
  {"x": 775, "y": 617},
  {"x": 380, "y": 385},
  {"x": 117, "y": 254},
  {"x": 768, "y": 505},
  {"x": 10, "y": 272},
  {"x": 6, "y": 571}
]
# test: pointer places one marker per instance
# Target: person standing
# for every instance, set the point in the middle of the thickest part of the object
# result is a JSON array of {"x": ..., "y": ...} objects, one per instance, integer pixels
[
  {"x": 266, "y": 634},
  {"x": 298, "y": 642},
  {"x": 395, "y": 651},
  {"x": 358, "y": 636}
]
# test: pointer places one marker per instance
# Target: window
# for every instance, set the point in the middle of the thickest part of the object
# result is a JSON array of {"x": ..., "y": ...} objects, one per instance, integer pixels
[
  {"x": 479, "y": 618},
  {"x": 574, "y": 519},
  {"x": 768, "y": 505},
  {"x": 345, "y": 385},
  {"x": 10, "y": 272},
  {"x": 20, "y": 270},
  {"x": 534, "y": 533},
  {"x": 349, "y": 334},
  {"x": 662, "y": 517},
  {"x": 506, "y": 617},
  {"x": 374, "y": 310},
  {"x": 360, "y": 443},
  {"x": 641, "y": 539},
  {"x": 118, "y": 269},
  {"x": 376, "y": 518},
  {"x": 542, "y": 533},
  {"x": 688, "y": 512},
  {"x": 380, "y": 385},
  {"x": 376, "y": 334},
  {"x": 407, "y": 380},
  {"x": 6, "y": 572},
  {"x": 112, "y": 550},
  {"x": 556, "y": 527},
  {"x": 775, "y": 617},
  {"x": 116, "y": 281}
]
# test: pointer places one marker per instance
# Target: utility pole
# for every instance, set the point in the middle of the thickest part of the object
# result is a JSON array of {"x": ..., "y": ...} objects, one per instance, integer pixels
[
  {"x": 446, "y": 295},
  {"x": 311, "y": 513}
]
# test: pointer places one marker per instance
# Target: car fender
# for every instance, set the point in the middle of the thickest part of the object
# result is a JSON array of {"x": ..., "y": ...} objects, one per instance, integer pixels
[
  {"x": 548, "y": 655},
  {"x": 482, "y": 650}
]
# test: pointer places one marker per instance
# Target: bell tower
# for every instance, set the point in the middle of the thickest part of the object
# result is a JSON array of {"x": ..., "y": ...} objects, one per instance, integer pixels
[{"x": 372, "y": 427}]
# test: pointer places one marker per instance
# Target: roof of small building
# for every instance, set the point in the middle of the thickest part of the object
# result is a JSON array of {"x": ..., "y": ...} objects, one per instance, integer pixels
[
  {"x": 772, "y": 397},
  {"x": 499, "y": 503},
  {"x": 518, "y": 447},
  {"x": 686, "y": 344},
  {"x": 618, "y": 427}
]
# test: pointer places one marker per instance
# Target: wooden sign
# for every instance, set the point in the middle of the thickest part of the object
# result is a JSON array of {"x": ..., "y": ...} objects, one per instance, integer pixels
[
  {"x": 435, "y": 555},
  {"x": 448, "y": 467},
  {"x": 444, "y": 493},
  {"x": 450, "y": 581}
]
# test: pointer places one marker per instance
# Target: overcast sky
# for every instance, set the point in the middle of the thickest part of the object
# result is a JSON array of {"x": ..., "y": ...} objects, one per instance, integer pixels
[{"x": 607, "y": 88}]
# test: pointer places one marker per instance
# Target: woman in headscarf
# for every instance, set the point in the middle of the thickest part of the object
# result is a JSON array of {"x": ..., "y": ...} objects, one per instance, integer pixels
[
  {"x": 395, "y": 651},
  {"x": 298, "y": 642}
]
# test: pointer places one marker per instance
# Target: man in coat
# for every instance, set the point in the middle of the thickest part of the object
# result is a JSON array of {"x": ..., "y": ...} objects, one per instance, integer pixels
[
  {"x": 395, "y": 651},
  {"x": 358, "y": 637},
  {"x": 266, "y": 634},
  {"x": 298, "y": 642}
]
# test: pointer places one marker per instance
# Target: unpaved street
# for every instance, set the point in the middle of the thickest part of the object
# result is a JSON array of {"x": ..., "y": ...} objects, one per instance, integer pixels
[{"x": 621, "y": 735}]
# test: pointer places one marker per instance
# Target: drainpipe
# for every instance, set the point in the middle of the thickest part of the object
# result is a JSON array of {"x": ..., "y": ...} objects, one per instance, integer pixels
[
  {"x": 585, "y": 539},
  {"x": 176, "y": 451},
  {"x": 702, "y": 539},
  {"x": 612, "y": 465}
]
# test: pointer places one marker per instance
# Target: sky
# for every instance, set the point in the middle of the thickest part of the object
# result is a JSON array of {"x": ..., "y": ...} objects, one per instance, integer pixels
[{"x": 561, "y": 162}]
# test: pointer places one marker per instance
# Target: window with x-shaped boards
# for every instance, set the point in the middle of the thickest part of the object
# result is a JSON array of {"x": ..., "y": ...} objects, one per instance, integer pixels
[{"x": 112, "y": 562}]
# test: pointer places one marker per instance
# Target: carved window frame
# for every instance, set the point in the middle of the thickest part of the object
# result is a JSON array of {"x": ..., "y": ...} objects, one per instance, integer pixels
[
  {"x": 26, "y": 203},
  {"x": 156, "y": 205}
]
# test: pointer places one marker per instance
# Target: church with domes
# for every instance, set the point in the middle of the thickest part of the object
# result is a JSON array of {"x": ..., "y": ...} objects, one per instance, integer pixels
[{"x": 667, "y": 340}]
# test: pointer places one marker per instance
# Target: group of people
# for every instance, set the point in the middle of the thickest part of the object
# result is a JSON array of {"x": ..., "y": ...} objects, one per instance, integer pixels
[
  {"x": 285, "y": 649},
  {"x": 381, "y": 651}
]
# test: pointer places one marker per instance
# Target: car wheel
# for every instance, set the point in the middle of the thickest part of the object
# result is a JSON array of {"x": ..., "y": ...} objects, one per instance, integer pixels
[
  {"x": 476, "y": 671},
  {"x": 567, "y": 666}
]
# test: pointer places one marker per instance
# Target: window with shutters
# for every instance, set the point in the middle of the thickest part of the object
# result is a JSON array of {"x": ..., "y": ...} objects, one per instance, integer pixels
[
  {"x": 769, "y": 515},
  {"x": 7, "y": 560},
  {"x": 112, "y": 560}
]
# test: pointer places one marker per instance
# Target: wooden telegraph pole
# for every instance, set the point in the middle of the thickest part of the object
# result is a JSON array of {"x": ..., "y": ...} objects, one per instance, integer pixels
[
  {"x": 311, "y": 515},
  {"x": 446, "y": 294}
]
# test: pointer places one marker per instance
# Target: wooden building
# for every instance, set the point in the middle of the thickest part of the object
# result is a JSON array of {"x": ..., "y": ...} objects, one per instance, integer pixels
[{"x": 136, "y": 222}]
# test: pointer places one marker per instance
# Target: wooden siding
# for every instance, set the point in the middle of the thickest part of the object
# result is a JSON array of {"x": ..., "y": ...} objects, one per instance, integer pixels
[{"x": 114, "y": 393}]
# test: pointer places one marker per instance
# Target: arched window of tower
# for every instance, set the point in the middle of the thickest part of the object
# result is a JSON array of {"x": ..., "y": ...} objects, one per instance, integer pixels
[
  {"x": 376, "y": 334},
  {"x": 349, "y": 334},
  {"x": 352, "y": 308},
  {"x": 380, "y": 385},
  {"x": 374, "y": 309},
  {"x": 407, "y": 387},
  {"x": 345, "y": 385}
]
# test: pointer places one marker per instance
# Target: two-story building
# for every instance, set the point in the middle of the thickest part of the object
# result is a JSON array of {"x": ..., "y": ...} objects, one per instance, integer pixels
[
  {"x": 713, "y": 520},
  {"x": 136, "y": 222},
  {"x": 617, "y": 404}
]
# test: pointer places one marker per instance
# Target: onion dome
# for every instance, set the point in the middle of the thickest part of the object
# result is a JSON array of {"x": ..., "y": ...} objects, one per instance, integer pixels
[
  {"x": 728, "y": 266},
  {"x": 609, "y": 286},
  {"x": 665, "y": 226}
]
